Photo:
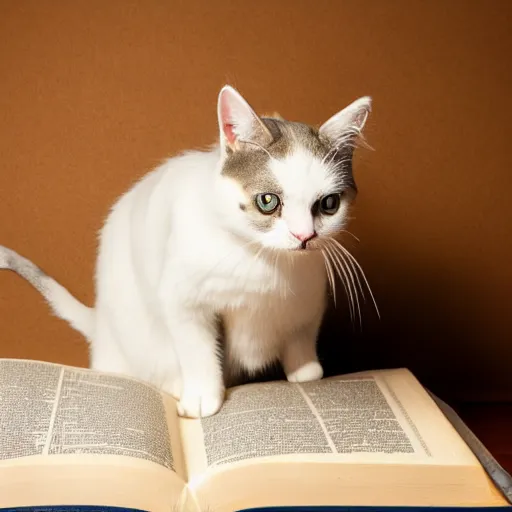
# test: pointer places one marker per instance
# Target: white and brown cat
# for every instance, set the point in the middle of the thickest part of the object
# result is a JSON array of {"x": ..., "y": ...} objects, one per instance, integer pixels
[{"x": 241, "y": 236}]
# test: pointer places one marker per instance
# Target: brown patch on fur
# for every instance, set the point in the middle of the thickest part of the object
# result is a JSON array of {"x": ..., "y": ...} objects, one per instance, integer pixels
[{"x": 247, "y": 164}]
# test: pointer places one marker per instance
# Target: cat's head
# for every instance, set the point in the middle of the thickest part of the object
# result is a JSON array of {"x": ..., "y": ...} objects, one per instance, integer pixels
[{"x": 286, "y": 185}]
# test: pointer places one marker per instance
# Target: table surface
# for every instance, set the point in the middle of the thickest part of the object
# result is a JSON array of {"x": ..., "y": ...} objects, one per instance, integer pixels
[{"x": 492, "y": 424}]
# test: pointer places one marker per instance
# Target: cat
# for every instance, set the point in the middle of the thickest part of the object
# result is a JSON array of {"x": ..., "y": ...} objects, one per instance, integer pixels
[{"x": 239, "y": 239}]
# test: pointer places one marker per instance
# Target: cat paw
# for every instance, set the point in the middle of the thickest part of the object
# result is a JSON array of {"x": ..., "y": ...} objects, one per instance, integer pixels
[
  {"x": 310, "y": 371},
  {"x": 200, "y": 405}
]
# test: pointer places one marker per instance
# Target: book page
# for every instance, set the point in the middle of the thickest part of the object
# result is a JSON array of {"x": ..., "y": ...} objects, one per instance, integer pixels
[
  {"x": 46, "y": 410},
  {"x": 358, "y": 418},
  {"x": 325, "y": 417},
  {"x": 372, "y": 438},
  {"x": 58, "y": 422},
  {"x": 367, "y": 417},
  {"x": 263, "y": 420}
]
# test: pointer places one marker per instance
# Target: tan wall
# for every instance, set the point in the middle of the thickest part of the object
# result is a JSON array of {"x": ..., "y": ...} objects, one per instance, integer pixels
[{"x": 94, "y": 93}]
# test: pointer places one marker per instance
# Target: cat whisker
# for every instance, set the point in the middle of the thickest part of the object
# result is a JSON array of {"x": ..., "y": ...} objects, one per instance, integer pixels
[
  {"x": 346, "y": 283},
  {"x": 355, "y": 278},
  {"x": 344, "y": 253},
  {"x": 349, "y": 255},
  {"x": 351, "y": 260},
  {"x": 351, "y": 234},
  {"x": 354, "y": 297},
  {"x": 330, "y": 275}
]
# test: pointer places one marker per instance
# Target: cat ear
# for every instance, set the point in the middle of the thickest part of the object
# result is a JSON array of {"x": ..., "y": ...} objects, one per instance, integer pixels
[
  {"x": 348, "y": 123},
  {"x": 238, "y": 122}
]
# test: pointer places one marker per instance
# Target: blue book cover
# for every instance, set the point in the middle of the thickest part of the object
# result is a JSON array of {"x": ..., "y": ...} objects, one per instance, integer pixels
[
  {"x": 70, "y": 508},
  {"x": 373, "y": 509}
]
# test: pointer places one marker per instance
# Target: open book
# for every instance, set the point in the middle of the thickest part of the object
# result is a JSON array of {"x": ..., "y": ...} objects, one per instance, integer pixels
[{"x": 71, "y": 436}]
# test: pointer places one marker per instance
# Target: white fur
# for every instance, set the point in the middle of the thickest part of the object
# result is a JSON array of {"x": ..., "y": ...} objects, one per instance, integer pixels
[
  {"x": 177, "y": 251},
  {"x": 304, "y": 179},
  {"x": 167, "y": 266}
]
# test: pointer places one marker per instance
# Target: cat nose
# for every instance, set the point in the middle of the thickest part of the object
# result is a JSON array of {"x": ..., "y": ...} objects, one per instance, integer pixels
[{"x": 304, "y": 237}]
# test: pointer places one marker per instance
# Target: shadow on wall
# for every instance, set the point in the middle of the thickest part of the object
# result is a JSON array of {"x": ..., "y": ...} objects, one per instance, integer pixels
[
  {"x": 424, "y": 326},
  {"x": 429, "y": 324}
]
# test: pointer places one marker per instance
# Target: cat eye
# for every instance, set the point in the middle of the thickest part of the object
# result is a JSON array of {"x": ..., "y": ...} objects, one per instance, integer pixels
[
  {"x": 330, "y": 204},
  {"x": 267, "y": 203}
]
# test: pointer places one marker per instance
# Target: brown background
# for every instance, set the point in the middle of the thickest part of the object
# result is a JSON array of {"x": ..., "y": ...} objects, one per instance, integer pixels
[{"x": 94, "y": 93}]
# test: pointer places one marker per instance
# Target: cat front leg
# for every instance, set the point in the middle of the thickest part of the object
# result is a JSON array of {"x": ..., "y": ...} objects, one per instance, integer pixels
[
  {"x": 299, "y": 357},
  {"x": 194, "y": 334}
]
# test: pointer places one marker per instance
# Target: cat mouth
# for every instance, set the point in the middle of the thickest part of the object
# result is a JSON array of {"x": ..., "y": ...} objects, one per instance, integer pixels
[{"x": 305, "y": 247}]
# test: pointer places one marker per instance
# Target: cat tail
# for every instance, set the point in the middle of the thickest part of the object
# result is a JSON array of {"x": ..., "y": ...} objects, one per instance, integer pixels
[{"x": 63, "y": 304}]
